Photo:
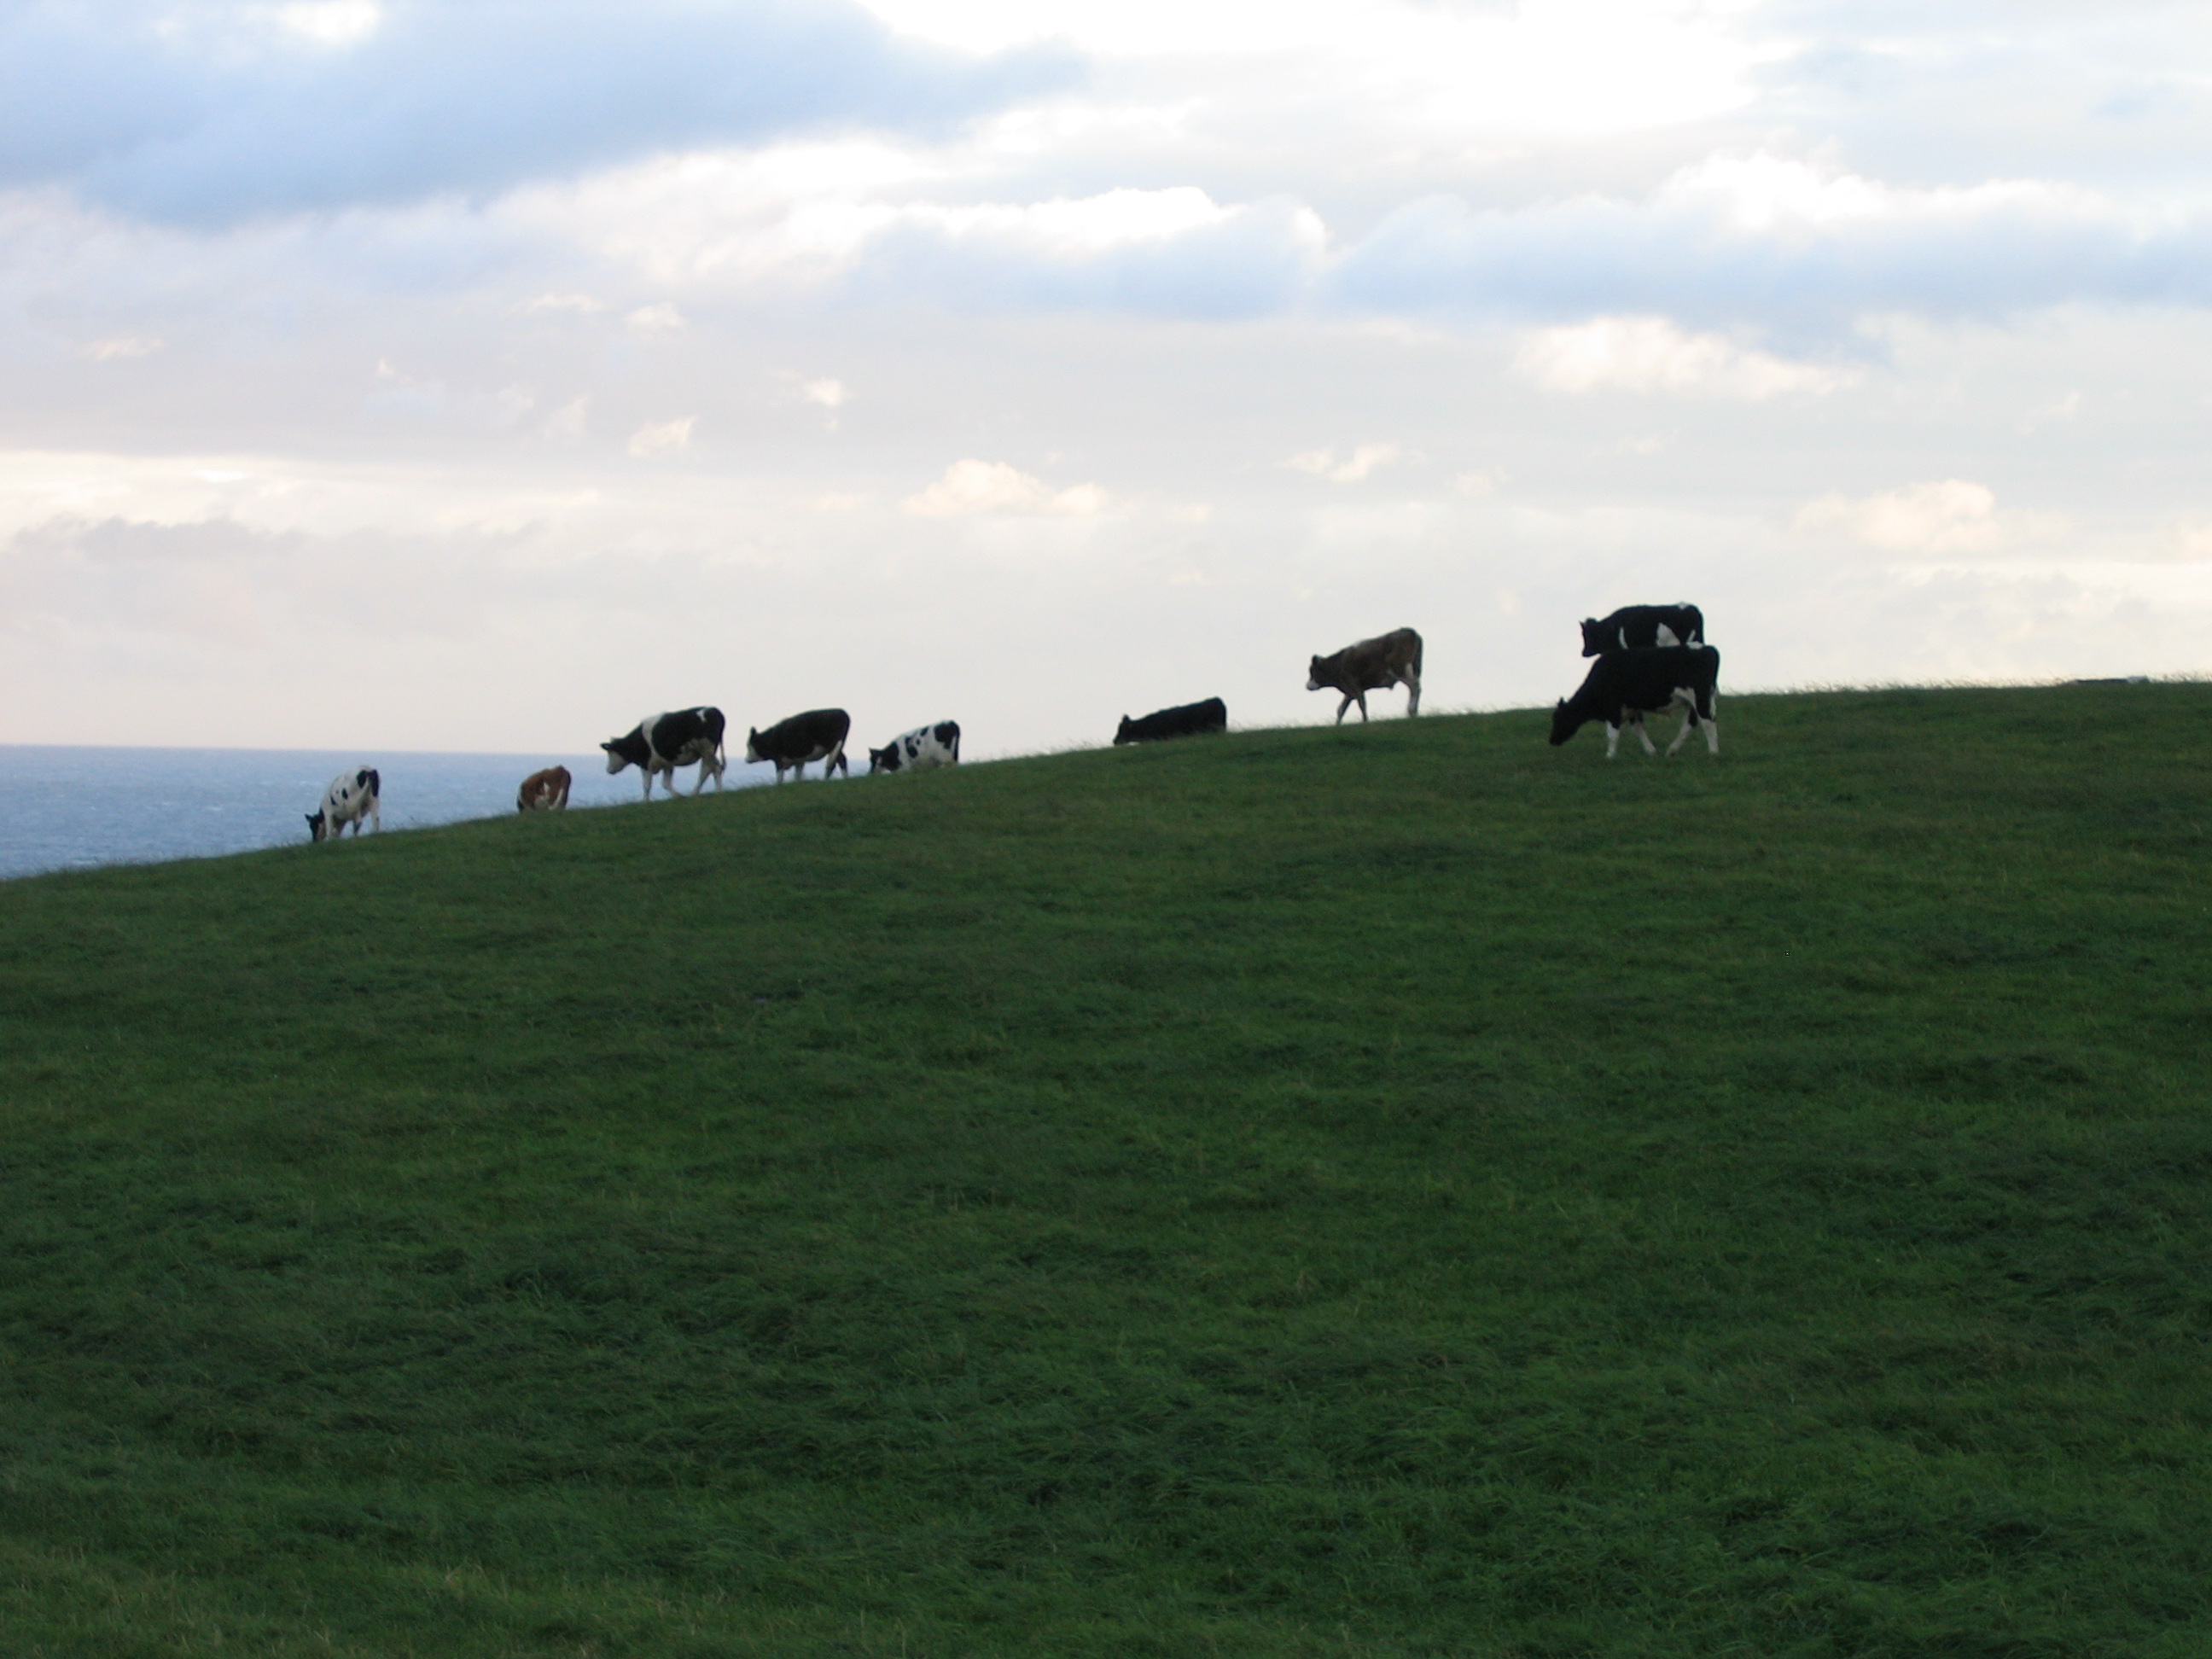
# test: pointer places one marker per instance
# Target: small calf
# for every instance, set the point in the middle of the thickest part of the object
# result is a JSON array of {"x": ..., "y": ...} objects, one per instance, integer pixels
[
  {"x": 544, "y": 792},
  {"x": 1375, "y": 665}
]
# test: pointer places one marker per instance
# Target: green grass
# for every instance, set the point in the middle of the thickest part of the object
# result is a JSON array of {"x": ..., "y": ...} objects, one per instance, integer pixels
[{"x": 1398, "y": 1190}]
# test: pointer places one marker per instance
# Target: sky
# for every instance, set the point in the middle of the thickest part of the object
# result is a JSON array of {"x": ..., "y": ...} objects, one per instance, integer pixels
[{"x": 476, "y": 375}]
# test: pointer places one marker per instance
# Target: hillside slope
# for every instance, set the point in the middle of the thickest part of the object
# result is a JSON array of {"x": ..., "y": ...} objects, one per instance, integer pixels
[{"x": 1387, "y": 1190}]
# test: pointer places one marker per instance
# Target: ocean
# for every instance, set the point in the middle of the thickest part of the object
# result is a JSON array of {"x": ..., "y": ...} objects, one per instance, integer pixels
[{"x": 74, "y": 808}]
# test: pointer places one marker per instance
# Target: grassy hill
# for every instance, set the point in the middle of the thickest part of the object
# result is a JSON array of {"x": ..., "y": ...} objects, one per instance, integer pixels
[{"x": 1398, "y": 1190}]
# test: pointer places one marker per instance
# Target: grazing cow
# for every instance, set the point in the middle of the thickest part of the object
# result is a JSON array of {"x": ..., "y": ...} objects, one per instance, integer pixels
[
  {"x": 816, "y": 735},
  {"x": 543, "y": 792},
  {"x": 1624, "y": 686},
  {"x": 350, "y": 798},
  {"x": 1373, "y": 664},
  {"x": 1642, "y": 627},
  {"x": 659, "y": 745},
  {"x": 919, "y": 750},
  {"x": 1191, "y": 721}
]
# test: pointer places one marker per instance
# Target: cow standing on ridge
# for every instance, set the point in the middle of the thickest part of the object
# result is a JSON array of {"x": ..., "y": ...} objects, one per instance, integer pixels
[
  {"x": 1375, "y": 665},
  {"x": 658, "y": 746},
  {"x": 919, "y": 750},
  {"x": 1643, "y": 627},
  {"x": 351, "y": 797},
  {"x": 816, "y": 735},
  {"x": 1622, "y": 687}
]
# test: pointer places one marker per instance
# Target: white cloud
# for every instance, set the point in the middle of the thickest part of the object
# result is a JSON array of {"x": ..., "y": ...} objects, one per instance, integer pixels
[
  {"x": 121, "y": 345},
  {"x": 330, "y": 22},
  {"x": 971, "y": 487},
  {"x": 830, "y": 394},
  {"x": 1355, "y": 468},
  {"x": 1948, "y": 516},
  {"x": 1651, "y": 354},
  {"x": 662, "y": 436},
  {"x": 579, "y": 302},
  {"x": 662, "y": 318}
]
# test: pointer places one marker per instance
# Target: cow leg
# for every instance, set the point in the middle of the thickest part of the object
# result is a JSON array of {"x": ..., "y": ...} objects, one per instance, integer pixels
[
  {"x": 1644, "y": 736},
  {"x": 376, "y": 817},
  {"x": 1363, "y": 708},
  {"x": 1413, "y": 696},
  {"x": 1341, "y": 707},
  {"x": 1612, "y": 739}
]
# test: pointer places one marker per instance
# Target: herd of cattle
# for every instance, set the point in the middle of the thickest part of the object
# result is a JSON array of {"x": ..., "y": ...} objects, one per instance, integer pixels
[{"x": 1650, "y": 658}]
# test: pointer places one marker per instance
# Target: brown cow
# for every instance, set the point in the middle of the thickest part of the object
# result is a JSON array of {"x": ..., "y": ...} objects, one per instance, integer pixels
[
  {"x": 542, "y": 792},
  {"x": 1372, "y": 666}
]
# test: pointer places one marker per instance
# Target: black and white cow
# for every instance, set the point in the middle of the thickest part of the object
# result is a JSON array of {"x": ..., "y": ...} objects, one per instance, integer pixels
[
  {"x": 350, "y": 798},
  {"x": 1641, "y": 627},
  {"x": 919, "y": 750},
  {"x": 1375, "y": 665},
  {"x": 1622, "y": 687},
  {"x": 1190, "y": 720},
  {"x": 816, "y": 735},
  {"x": 658, "y": 745}
]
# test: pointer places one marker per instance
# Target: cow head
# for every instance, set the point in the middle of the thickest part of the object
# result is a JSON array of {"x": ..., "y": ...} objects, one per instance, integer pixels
[
  {"x": 883, "y": 760},
  {"x": 1564, "y": 725},
  {"x": 1121, "y": 732},
  {"x": 1313, "y": 680},
  {"x": 1593, "y": 641},
  {"x": 315, "y": 826},
  {"x": 752, "y": 747},
  {"x": 616, "y": 759}
]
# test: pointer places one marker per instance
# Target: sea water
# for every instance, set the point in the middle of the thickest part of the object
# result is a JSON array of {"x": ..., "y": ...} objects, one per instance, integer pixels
[{"x": 72, "y": 809}]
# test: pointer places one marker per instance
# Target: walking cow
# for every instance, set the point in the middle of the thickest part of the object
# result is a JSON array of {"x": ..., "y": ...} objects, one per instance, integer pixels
[
  {"x": 1622, "y": 687},
  {"x": 351, "y": 797},
  {"x": 816, "y": 735},
  {"x": 658, "y": 746},
  {"x": 1375, "y": 665}
]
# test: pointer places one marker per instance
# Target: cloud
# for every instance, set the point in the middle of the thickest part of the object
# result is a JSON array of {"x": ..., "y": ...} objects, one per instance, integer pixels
[
  {"x": 1649, "y": 353},
  {"x": 830, "y": 394},
  {"x": 661, "y": 437},
  {"x": 1353, "y": 468},
  {"x": 1950, "y": 516},
  {"x": 972, "y": 486},
  {"x": 1787, "y": 246},
  {"x": 211, "y": 117}
]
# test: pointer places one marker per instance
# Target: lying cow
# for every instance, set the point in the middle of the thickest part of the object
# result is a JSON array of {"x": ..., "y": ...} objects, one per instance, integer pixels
[
  {"x": 350, "y": 798},
  {"x": 1191, "y": 721},
  {"x": 658, "y": 746},
  {"x": 1643, "y": 627},
  {"x": 1373, "y": 664},
  {"x": 919, "y": 750},
  {"x": 544, "y": 792},
  {"x": 816, "y": 735},
  {"x": 1622, "y": 687}
]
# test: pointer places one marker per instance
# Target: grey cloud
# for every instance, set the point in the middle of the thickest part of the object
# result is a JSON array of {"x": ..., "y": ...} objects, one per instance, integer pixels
[
  {"x": 466, "y": 96},
  {"x": 1806, "y": 282}
]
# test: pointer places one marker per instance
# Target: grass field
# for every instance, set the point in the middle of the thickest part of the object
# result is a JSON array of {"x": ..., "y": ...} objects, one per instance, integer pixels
[{"x": 1393, "y": 1190}]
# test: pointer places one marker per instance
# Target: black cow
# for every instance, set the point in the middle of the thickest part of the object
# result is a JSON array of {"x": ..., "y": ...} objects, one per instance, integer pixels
[
  {"x": 1622, "y": 687},
  {"x": 816, "y": 735},
  {"x": 1640, "y": 627},
  {"x": 665, "y": 742},
  {"x": 1375, "y": 665},
  {"x": 1191, "y": 721}
]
